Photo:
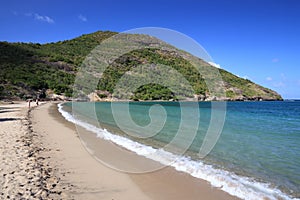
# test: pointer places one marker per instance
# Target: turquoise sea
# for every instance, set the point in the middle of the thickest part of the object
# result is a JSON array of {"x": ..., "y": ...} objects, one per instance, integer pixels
[{"x": 257, "y": 155}]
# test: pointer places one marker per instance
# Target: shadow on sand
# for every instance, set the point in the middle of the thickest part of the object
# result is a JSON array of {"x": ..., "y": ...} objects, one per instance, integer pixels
[
  {"x": 6, "y": 111},
  {"x": 8, "y": 119}
]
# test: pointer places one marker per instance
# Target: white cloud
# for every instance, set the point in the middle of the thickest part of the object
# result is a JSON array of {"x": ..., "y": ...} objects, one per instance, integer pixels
[
  {"x": 43, "y": 18},
  {"x": 39, "y": 17},
  {"x": 82, "y": 18},
  {"x": 275, "y": 60},
  {"x": 214, "y": 64},
  {"x": 269, "y": 78},
  {"x": 244, "y": 77}
]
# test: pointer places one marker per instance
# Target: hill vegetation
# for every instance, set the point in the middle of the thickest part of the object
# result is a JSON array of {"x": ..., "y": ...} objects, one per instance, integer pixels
[
  {"x": 28, "y": 69},
  {"x": 31, "y": 70}
]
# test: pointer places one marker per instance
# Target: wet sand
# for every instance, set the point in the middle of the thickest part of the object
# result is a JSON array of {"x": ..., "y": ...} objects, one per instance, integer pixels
[{"x": 78, "y": 175}]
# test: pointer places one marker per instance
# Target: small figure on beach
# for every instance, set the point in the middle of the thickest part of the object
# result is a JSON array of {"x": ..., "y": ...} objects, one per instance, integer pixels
[
  {"x": 37, "y": 101},
  {"x": 29, "y": 101}
]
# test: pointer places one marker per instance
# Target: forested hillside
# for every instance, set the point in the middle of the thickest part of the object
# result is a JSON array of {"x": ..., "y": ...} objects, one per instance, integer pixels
[{"x": 31, "y": 70}]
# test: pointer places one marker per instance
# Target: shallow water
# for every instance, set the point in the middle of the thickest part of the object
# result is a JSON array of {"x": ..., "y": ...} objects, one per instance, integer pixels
[{"x": 256, "y": 156}]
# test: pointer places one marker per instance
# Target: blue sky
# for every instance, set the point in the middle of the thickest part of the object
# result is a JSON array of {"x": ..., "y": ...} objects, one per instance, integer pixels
[{"x": 257, "y": 39}]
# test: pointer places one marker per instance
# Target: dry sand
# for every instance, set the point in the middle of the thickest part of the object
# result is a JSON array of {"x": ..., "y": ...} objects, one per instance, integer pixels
[
  {"x": 89, "y": 179},
  {"x": 25, "y": 173},
  {"x": 43, "y": 157}
]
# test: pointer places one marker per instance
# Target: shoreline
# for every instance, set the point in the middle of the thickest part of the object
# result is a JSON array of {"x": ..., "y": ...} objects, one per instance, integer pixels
[
  {"x": 166, "y": 183},
  {"x": 53, "y": 164},
  {"x": 87, "y": 177}
]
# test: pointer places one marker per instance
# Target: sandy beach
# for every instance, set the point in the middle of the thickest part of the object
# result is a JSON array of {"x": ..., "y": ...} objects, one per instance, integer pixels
[
  {"x": 43, "y": 158},
  {"x": 25, "y": 171}
]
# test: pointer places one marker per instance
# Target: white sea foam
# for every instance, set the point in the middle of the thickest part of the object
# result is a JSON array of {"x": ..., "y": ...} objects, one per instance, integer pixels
[{"x": 239, "y": 186}]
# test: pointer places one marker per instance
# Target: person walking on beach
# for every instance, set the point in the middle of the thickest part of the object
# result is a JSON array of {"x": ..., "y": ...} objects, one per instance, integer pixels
[{"x": 37, "y": 101}]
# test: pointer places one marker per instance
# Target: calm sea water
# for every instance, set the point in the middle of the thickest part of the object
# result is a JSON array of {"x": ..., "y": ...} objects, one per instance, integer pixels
[{"x": 257, "y": 155}]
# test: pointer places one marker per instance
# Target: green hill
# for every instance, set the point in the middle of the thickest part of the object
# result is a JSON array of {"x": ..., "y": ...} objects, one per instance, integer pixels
[{"x": 29, "y": 70}]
